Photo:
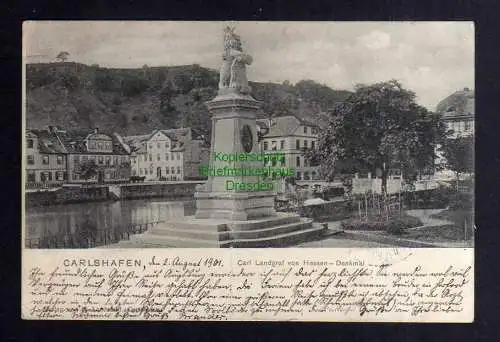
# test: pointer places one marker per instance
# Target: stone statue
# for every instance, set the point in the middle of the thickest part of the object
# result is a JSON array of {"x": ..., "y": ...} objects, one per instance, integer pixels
[{"x": 233, "y": 76}]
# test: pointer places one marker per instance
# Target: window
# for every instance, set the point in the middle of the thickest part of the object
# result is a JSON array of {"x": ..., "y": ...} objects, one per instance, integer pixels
[
  {"x": 305, "y": 143},
  {"x": 115, "y": 159},
  {"x": 150, "y": 146},
  {"x": 273, "y": 145},
  {"x": 313, "y": 175},
  {"x": 43, "y": 177},
  {"x": 178, "y": 156},
  {"x": 31, "y": 176},
  {"x": 45, "y": 160},
  {"x": 467, "y": 125},
  {"x": 158, "y": 145},
  {"x": 172, "y": 169},
  {"x": 107, "y": 175},
  {"x": 49, "y": 175},
  {"x": 172, "y": 156},
  {"x": 100, "y": 160},
  {"x": 178, "y": 169},
  {"x": 297, "y": 160},
  {"x": 85, "y": 158},
  {"x": 297, "y": 144},
  {"x": 59, "y": 175},
  {"x": 76, "y": 160},
  {"x": 282, "y": 144},
  {"x": 108, "y": 160},
  {"x": 306, "y": 175},
  {"x": 166, "y": 144},
  {"x": 31, "y": 160},
  {"x": 166, "y": 156},
  {"x": 150, "y": 157},
  {"x": 158, "y": 157},
  {"x": 266, "y": 144},
  {"x": 167, "y": 170},
  {"x": 305, "y": 130},
  {"x": 59, "y": 160},
  {"x": 30, "y": 143},
  {"x": 140, "y": 172},
  {"x": 299, "y": 175},
  {"x": 313, "y": 144}
]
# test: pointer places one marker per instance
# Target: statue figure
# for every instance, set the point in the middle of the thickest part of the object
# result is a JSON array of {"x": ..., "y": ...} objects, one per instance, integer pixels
[{"x": 233, "y": 70}]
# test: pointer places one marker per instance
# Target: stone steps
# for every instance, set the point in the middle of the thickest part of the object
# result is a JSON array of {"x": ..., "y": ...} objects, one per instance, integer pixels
[
  {"x": 223, "y": 235},
  {"x": 269, "y": 237}
]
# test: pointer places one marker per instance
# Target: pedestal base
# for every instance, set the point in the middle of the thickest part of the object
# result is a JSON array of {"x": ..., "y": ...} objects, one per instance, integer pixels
[
  {"x": 281, "y": 230},
  {"x": 234, "y": 206}
]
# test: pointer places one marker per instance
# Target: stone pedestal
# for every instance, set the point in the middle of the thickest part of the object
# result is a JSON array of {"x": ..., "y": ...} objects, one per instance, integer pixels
[{"x": 231, "y": 113}]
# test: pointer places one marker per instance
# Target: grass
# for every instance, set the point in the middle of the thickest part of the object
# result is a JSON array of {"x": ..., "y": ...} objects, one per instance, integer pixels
[{"x": 395, "y": 225}]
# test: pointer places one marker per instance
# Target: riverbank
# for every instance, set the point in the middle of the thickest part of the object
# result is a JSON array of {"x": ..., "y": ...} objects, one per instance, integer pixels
[{"x": 97, "y": 193}]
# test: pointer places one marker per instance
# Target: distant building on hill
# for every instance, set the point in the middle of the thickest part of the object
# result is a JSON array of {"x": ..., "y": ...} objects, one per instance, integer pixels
[{"x": 170, "y": 154}]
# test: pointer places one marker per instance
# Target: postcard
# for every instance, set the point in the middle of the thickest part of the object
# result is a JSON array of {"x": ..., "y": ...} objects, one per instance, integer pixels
[{"x": 248, "y": 171}]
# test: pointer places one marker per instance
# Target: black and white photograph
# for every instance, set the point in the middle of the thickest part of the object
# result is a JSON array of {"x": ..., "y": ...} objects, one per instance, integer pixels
[{"x": 152, "y": 134}]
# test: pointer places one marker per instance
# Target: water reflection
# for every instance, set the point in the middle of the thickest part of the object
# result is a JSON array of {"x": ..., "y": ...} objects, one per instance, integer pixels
[{"x": 85, "y": 225}]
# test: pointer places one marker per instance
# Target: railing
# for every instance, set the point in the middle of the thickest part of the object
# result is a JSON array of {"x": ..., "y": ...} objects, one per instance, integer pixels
[
  {"x": 88, "y": 239},
  {"x": 36, "y": 185}
]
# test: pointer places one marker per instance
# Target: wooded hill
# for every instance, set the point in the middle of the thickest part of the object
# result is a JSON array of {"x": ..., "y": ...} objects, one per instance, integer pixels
[{"x": 137, "y": 101}]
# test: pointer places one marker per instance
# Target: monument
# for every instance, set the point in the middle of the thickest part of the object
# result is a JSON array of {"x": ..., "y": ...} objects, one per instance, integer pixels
[{"x": 232, "y": 218}]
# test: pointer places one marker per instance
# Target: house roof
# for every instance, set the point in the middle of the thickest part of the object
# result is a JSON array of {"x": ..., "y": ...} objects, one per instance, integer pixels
[
  {"x": 178, "y": 136},
  {"x": 48, "y": 142},
  {"x": 459, "y": 104},
  {"x": 285, "y": 125},
  {"x": 73, "y": 141}
]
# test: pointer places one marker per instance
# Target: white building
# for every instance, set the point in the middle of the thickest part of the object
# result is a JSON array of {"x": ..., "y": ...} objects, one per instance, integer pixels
[
  {"x": 292, "y": 136},
  {"x": 170, "y": 154},
  {"x": 458, "y": 114}
]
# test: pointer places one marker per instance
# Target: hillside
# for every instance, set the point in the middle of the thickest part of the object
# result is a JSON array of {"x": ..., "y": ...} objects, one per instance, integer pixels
[{"x": 136, "y": 101}]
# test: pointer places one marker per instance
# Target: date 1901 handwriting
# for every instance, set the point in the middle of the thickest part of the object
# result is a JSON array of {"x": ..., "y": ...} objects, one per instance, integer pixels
[{"x": 209, "y": 289}]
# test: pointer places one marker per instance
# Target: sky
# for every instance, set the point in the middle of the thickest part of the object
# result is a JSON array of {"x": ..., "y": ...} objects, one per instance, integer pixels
[{"x": 433, "y": 59}]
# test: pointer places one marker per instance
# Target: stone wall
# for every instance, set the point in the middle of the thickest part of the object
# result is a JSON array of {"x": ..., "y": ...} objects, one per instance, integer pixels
[
  {"x": 362, "y": 185},
  {"x": 103, "y": 193},
  {"x": 168, "y": 190},
  {"x": 67, "y": 195}
]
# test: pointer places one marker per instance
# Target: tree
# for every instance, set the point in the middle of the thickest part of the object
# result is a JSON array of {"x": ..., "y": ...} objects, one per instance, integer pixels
[
  {"x": 62, "y": 56},
  {"x": 88, "y": 169},
  {"x": 459, "y": 155},
  {"x": 378, "y": 127}
]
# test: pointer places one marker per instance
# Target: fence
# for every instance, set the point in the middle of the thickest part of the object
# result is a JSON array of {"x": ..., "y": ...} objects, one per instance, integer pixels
[
  {"x": 35, "y": 186},
  {"x": 96, "y": 238},
  {"x": 371, "y": 205}
]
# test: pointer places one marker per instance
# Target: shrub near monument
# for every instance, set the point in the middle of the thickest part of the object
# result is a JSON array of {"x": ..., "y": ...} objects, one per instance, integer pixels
[{"x": 232, "y": 171}]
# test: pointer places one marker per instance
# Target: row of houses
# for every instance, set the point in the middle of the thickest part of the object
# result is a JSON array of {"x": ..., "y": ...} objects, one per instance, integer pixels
[{"x": 55, "y": 156}]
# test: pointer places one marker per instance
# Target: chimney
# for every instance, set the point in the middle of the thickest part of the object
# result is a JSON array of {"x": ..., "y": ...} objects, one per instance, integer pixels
[{"x": 96, "y": 130}]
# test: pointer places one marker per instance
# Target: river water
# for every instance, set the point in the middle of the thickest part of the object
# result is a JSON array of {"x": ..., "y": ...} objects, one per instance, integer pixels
[{"x": 85, "y": 225}]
